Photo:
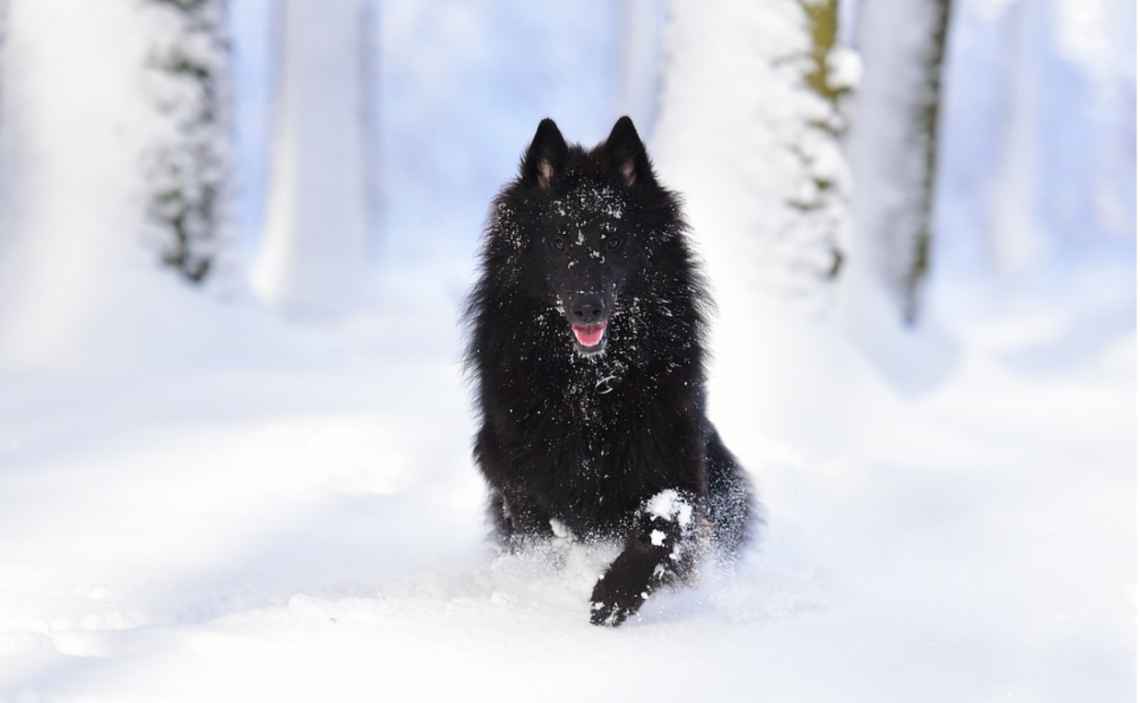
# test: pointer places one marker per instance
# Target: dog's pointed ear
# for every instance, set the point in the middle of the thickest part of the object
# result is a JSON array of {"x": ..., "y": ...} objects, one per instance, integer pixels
[
  {"x": 546, "y": 157},
  {"x": 626, "y": 154}
]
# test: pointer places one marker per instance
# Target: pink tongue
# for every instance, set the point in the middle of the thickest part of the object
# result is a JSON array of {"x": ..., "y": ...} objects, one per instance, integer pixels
[{"x": 589, "y": 335}]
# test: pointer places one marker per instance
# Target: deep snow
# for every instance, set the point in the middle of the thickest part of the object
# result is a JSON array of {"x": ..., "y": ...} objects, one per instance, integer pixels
[
  {"x": 201, "y": 500},
  {"x": 312, "y": 527}
]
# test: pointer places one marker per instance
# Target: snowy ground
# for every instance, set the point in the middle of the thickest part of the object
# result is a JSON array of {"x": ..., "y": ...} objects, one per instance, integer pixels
[
  {"x": 298, "y": 518},
  {"x": 200, "y": 500}
]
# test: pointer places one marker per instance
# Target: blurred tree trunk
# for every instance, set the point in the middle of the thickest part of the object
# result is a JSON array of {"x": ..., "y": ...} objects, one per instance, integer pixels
[
  {"x": 188, "y": 164},
  {"x": 750, "y": 132},
  {"x": 642, "y": 24},
  {"x": 370, "y": 118},
  {"x": 752, "y": 120},
  {"x": 315, "y": 248},
  {"x": 895, "y": 147},
  {"x": 930, "y": 99},
  {"x": 831, "y": 72},
  {"x": 3, "y": 43}
]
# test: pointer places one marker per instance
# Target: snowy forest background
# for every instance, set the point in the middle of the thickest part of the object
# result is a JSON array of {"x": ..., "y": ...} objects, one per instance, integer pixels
[{"x": 234, "y": 242}]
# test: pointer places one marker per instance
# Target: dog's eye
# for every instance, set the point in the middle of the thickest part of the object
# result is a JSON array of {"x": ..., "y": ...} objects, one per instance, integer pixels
[
  {"x": 558, "y": 243},
  {"x": 613, "y": 243}
]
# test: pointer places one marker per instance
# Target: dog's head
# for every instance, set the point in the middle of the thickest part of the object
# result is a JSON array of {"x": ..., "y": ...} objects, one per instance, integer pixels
[{"x": 595, "y": 219}]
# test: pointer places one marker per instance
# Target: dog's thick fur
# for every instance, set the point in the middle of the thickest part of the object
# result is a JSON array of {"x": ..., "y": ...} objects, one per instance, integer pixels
[{"x": 604, "y": 439}]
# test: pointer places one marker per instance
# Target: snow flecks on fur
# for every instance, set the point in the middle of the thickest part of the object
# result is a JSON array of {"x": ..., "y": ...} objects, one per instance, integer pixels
[
  {"x": 560, "y": 530},
  {"x": 505, "y": 226},
  {"x": 603, "y": 384},
  {"x": 583, "y": 423},
  {"x": 669, "y": 505},
  {"x": 591, "y": 198}
]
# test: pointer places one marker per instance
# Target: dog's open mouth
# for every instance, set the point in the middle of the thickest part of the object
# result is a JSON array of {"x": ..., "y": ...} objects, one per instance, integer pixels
[{"x": 590, "y": 338}]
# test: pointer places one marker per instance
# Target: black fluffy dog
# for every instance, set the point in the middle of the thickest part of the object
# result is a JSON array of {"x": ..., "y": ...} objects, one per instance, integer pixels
[{"x": 587, "y": 333}]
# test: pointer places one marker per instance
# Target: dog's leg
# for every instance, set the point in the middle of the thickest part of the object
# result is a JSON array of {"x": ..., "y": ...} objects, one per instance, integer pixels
[
  {"x": 660, "y": 548},
  {"x": 513, "y": 517},
  {"x": 517, "y": 522},
  {"x": 499, "y": 516},
  {"x": 732, "y": 506}
]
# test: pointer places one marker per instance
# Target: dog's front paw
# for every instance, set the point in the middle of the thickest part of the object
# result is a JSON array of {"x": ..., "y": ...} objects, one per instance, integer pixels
[
  {"x": 620, "y": 591},
  {"x": 612, "y": 607}
]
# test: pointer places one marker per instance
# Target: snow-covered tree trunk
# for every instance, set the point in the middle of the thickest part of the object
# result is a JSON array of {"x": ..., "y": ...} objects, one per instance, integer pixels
[
  {"x": 895, "y": 143},
  {"x": 1017, "y": 240},
  {"x": 188, "y": 164},
  {"x": 3, "y": 23},
  {"x": 754, "y": 150},
  {"x": 72, "y": 125},
  {"x": 753, "y": 123},
  {"x": 641, "y": 25},
  {"x": 831, "y": 74},
  {"x": 314, "y": 251},
  {"x": 3, "y": 42}
]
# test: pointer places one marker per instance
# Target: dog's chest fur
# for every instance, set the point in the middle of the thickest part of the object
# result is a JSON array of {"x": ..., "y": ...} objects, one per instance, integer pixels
[{"x": 578, "y": 437}]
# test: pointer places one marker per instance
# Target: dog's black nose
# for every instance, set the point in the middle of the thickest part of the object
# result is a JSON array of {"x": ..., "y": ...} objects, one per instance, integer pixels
[{"x": 587, "y": 310}]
